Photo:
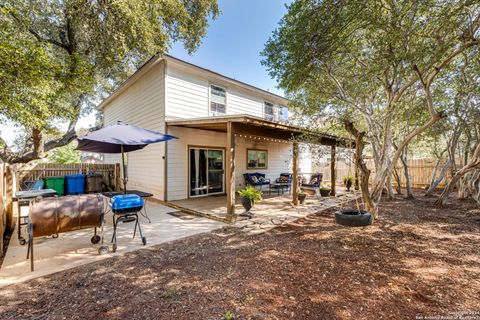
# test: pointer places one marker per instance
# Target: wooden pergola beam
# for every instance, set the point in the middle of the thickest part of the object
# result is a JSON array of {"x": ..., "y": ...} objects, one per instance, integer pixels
[
  {"x": 230, "y": 171},
  {"x": 253, "y": 126},
  {"x": 295, "y": 174},
  {"x": 333, "y": 169}
]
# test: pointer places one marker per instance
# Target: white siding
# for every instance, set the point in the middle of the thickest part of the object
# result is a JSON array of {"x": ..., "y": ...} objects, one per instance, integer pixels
[
  {"x": 240, "y": 103},
  {"x": 186, "y": 96},
  {"x": 279, "y": 158},
  {"x": 141, "y": 104},
  {"x": 177, "y": 161}
]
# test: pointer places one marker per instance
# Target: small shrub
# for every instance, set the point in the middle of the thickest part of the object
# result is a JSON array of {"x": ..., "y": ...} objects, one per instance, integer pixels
[
  {"x": 228, "y": 315},
  {"x": 348, "y": 179},
  {"x": 251, "y": 193}
]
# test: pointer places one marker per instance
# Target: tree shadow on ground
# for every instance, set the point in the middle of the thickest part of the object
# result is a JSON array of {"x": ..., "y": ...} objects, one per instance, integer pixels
[{"x": 413, "y": 261}]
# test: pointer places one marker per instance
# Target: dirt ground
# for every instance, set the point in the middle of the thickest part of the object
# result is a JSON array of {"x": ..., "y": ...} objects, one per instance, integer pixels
[{"x": 416, "y": 261}]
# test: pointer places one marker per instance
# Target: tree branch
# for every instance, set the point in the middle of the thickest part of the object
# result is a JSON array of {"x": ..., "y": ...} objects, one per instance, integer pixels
[{"x": 36, "y": 34}]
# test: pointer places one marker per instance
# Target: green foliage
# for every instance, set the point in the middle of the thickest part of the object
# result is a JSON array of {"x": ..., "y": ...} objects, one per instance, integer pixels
[
  {"x": 57, "y": 58},
  {"x": 348, "y": 179},
  {"x": 334, "y": 56},
  {"x": 301, "y": 192},
  {"x": 251, "y": 193},
  {"x": 228, "y": 315},
  {"x": 65, "y": 154},
  {"x": 384, "y": 67}
]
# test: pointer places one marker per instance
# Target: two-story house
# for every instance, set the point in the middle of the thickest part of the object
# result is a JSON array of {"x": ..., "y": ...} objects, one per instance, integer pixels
[{"x": 224, "y": 127}]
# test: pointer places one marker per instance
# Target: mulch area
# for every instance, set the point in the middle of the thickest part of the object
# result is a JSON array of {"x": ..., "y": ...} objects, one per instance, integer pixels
[{"x": 416, "y": 260}]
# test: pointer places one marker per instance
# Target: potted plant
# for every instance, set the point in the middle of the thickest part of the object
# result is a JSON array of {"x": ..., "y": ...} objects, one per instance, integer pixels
[
  {"x": 248, "y": 196},
  {"x": 301, "y": 196},
  {"x": 348, "y": 181},
  {"x": 325, "y": 192}
]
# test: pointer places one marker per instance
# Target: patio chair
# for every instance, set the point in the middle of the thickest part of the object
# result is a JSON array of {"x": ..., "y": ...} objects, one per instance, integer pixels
[
  {"x": 314, "y": 184},
  {"x": 285, "y": 178},
  {"x": 256, "y": 179}
]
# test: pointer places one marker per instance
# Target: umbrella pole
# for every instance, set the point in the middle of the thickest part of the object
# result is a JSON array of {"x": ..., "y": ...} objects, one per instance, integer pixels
[{"x": 125, "y": 178}]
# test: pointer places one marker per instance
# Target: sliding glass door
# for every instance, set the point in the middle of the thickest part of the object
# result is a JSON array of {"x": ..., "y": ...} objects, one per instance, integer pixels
[{"x": 207, "y": 174}]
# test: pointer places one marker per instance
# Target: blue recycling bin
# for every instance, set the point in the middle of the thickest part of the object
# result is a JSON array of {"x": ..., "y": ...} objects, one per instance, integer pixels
[{"x": 75, "y": 184}]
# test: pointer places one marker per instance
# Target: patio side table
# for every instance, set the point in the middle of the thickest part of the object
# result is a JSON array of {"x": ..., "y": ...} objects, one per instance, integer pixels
[{"x": 280, "y": 187}]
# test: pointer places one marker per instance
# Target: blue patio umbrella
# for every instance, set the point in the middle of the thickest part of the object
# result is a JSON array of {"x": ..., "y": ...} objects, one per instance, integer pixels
[{"x": 120, "y": 138}]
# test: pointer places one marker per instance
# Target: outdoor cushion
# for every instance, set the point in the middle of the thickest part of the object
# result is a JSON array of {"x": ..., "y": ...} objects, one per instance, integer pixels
[
  {"x": 254, "y": 179},
  {"x": 314, "y": 182}
]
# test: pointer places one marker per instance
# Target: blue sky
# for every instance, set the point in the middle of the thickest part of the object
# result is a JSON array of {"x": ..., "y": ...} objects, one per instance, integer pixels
[
  {"x": 234, "y": 41},
  {"x": 232, "y": 47}
]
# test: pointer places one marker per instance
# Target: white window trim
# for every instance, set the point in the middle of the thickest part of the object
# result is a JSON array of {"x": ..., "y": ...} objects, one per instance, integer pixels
[
  {"x": 263, "y": 111},
  {"x": 210, "y": 84}
]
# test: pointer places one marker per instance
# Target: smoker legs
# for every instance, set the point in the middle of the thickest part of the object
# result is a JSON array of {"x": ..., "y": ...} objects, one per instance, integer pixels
[{"x": 30, "y": 246}]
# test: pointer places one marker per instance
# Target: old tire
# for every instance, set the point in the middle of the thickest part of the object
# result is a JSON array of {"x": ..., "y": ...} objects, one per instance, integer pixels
[{"x": 353, "y": 218}]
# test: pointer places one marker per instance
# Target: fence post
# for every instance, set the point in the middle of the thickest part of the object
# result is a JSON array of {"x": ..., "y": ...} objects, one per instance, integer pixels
[
  {"x": 2, "y": 207},
  {"x": 117, "y": 177}
]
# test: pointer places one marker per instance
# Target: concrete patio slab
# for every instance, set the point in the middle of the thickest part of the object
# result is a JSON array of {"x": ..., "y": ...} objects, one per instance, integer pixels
[{"x": 74, "y": 248}]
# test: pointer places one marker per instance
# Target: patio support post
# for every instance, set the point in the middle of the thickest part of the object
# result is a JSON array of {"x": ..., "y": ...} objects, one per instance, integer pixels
[
  {"x": 333, "y": 173},
  {"x": 356, "y": 183},
  {"x": 230, "y": 172},
  {"x": 295, "y": 174}
]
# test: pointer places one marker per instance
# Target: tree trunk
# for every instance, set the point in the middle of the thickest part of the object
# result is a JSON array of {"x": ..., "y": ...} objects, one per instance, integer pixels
[
  {"x": 364, "y": 171},
  {"x": 406, "y": 173},
  {"x": 387, "y": 169},
  {"x": 398, "y": 180},
  {"x": 436, "y": 181},
  {"x": 389, "y": 188},
  {"x": 473, "y": 164},
  {"x": 38, "y": 143}
]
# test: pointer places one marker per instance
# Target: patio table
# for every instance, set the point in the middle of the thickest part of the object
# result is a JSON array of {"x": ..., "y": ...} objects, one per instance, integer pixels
[
  {"x": 279, "y": 186},
  {"x": 24, "y": 198},
  {"x": 142, "y": 194}
]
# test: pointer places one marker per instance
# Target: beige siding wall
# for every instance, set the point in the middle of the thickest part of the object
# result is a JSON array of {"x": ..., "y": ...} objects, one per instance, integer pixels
[
  {"x": 142, "y": 104},
  {"x": 279, "y": 157},
  {"x": 240, "y": 103},
  {"x": 186, "y": 95},
  {"x": 177, "y": 159}
]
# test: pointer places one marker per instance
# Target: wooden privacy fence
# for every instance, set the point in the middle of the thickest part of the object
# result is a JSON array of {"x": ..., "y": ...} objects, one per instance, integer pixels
[
  {"x": 2, "y": 206},
  {"x": 14, "y": 178},
  {"x": 420, "y": 170},
  {"x": 26, "y": 173}
]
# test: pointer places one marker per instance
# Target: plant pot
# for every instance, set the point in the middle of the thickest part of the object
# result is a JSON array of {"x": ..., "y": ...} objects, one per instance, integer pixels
[
  {"x": 353, "y": 218},
  {"x": 348, "y": 185},
  {"x": 325, "y": 192},
  {"x": 301, "y": 198},
  {"x": 247, "y": 203}
]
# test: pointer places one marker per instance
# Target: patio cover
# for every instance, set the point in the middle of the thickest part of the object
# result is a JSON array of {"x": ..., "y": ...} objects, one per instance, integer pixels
[{"x": 253, "y": 126}]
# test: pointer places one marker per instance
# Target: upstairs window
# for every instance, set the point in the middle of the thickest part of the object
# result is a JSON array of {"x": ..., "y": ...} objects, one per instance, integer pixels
[
  {"x": 218, "y": 101},
  {"x": 272, "y": 112},
  {"x": 283, "y": 114},
  {"x": 269, "y": 111}
]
